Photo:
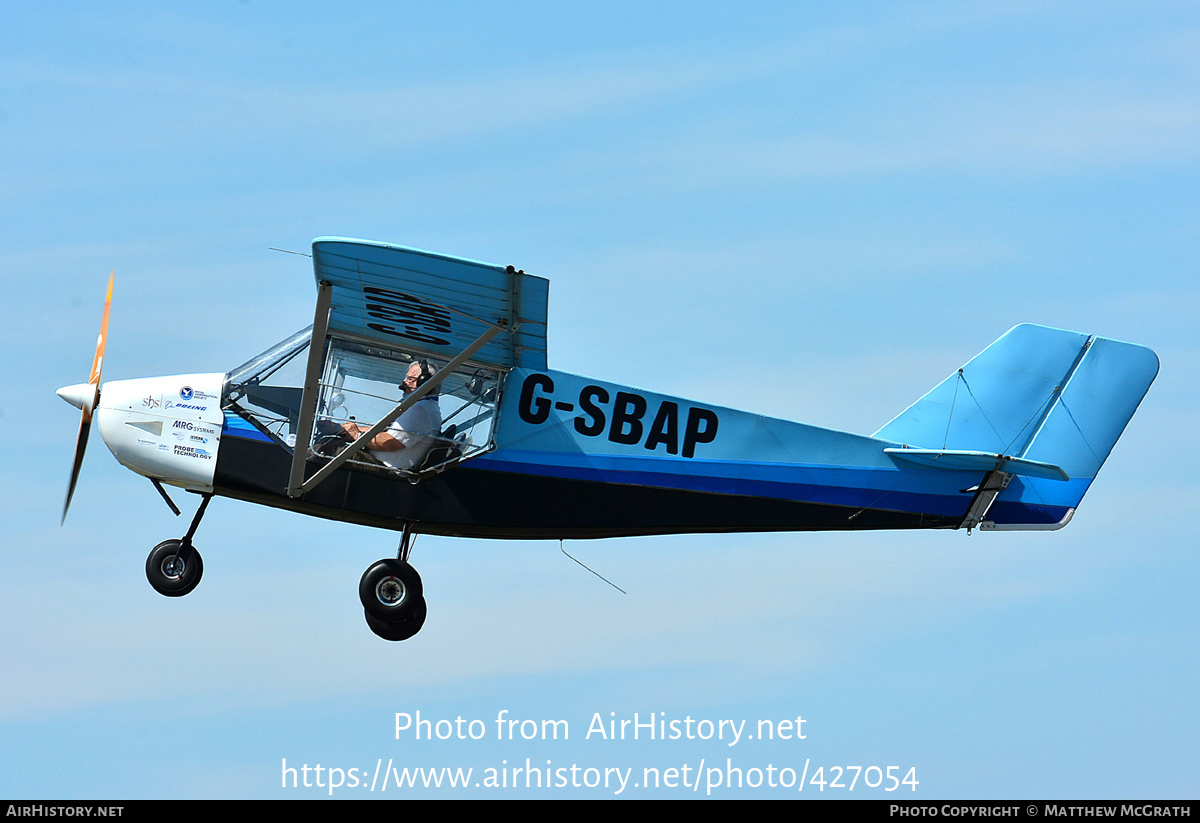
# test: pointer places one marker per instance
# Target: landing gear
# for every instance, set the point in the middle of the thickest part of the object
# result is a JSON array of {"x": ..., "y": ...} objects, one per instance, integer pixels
[
  {"x": 174, "y": 567},
  {"x": 173, "y": 571},
  {"x": 390, "y": 590},
  {"x": 402, "y": 630},
  {"x": 391, "y": 595}
]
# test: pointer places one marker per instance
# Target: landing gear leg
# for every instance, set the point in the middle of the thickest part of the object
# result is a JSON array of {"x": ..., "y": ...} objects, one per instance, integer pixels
[
  {"x": 174, "y": 567},
  {"x": 391, "y": 594}
]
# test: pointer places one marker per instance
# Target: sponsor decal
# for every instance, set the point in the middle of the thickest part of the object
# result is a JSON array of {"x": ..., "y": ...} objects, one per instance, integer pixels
[
  {"x": 191, "y": 451},
  {"x": 173, "y": 405},
  {"x": 187, "y": 393},
  {"x": 188, "y": 425},
  {"x": 150, "y": 402}
]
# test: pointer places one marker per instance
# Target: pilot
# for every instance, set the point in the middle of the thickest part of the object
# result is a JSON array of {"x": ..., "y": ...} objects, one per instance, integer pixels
[{"x": 411, "y": 436}]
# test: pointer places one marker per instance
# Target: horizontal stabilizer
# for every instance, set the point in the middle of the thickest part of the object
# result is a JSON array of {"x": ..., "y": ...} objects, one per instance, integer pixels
[{"x": 959, "y": 460}]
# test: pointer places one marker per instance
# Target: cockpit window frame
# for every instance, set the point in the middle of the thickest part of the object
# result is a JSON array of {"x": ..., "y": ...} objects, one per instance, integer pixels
[{"x": 478, "y": 386}]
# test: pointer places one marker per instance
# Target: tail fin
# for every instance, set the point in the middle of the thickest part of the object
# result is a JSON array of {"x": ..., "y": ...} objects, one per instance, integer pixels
[{"x": 1057, "y": 397}]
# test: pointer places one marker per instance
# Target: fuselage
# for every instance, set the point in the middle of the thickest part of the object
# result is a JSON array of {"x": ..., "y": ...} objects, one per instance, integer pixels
[{"x": 573, "y": 458}]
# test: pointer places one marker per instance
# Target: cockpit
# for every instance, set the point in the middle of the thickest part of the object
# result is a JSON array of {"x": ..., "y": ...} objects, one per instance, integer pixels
[{"x": 360, "y": 382}]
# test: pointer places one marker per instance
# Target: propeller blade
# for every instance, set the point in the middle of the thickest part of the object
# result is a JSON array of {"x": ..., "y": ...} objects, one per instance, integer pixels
[
  {"x": 85, "y": 422},
  {"x": 80, "y": 447},
  {"x": 98, "y": 360}
]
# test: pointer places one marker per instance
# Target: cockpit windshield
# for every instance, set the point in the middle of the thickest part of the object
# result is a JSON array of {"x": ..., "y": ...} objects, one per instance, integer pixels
[
  {"x": 267, "y": 388},
  {"x": 360, "y": 383}
]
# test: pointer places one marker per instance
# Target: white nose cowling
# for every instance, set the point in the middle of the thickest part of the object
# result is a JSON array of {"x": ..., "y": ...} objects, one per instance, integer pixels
[
  {"x": 168, "y": 428},
  {"x": 81, "y": 395}
]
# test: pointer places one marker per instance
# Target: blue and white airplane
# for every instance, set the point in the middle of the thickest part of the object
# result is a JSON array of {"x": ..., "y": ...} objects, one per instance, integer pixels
[{"x": 509, "y": 448}]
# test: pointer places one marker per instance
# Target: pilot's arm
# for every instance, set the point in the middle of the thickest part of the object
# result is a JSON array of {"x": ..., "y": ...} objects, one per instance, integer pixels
[{"x": 382, "y": 442}]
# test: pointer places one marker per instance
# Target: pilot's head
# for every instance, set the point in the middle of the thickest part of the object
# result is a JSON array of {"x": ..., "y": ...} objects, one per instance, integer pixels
[{"x": 418, "y": 373}]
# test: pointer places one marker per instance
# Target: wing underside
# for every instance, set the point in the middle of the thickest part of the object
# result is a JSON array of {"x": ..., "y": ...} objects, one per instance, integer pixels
[{"x": 436, "y": 303}]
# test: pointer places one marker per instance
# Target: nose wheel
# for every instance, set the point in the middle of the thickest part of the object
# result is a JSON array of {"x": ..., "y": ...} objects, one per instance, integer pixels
[
  {"x": 392, "y": 597},
  {"x": 174, "y": 567}
]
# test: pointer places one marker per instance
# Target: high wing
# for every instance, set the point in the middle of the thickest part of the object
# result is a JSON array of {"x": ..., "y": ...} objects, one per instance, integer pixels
[{"x": 433, "y": 302}]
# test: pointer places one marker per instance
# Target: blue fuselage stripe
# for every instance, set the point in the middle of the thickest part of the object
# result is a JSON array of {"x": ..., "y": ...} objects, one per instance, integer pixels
[
  {"x": 908, "y": 490},
  {"x": 838, "y": 486},
  {"x": 237, "y": 427}
]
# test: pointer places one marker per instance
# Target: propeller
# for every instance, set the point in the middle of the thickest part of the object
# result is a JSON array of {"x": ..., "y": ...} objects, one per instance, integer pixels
[{"x": 86, "y": 396}]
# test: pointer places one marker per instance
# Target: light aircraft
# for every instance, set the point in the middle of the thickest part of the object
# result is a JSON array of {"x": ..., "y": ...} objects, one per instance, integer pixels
[{"x": 1012, "y": 440}]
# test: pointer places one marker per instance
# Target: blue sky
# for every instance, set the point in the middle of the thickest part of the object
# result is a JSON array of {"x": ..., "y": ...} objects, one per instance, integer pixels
[{"x": 815, "y": 212}]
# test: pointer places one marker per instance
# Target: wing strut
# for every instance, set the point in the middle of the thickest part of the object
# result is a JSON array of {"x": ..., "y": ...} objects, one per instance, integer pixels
[
  {"x": 312, "y": 378},
  {"x": 300, "y": 455}
]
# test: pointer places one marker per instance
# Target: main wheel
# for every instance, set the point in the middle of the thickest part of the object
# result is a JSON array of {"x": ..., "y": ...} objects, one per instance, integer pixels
[
  {"x": 402, "y": 630},
  {"x": 171, "y": 574},
  {"x": 390, "y": 590}
]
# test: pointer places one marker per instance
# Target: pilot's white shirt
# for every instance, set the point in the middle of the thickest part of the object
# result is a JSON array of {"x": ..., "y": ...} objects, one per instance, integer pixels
[{"x": 416, "y": 429}]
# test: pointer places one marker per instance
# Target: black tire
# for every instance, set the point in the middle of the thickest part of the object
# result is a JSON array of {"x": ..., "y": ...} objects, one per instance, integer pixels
[
  {"x": 402, "y": 630},
  {"x": 390, "y": 590},
  {"x": 170, "y": 575}
]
